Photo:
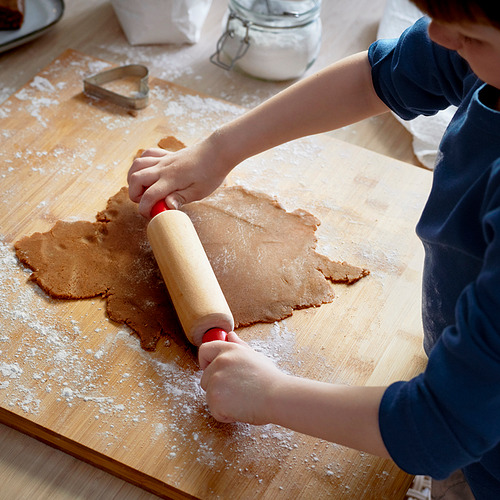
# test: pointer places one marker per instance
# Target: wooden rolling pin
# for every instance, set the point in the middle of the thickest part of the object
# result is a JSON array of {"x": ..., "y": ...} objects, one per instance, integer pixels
[{"x": 193, "y": 287}]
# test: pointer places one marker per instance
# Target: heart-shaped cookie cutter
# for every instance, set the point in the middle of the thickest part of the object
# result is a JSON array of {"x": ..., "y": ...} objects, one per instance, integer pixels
[{"x": 93, "y": 86}]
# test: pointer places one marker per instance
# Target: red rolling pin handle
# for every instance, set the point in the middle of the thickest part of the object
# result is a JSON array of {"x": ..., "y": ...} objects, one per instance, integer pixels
[
  {"x": 213, "y": 333},
  {"x": 159, "y": 207}
]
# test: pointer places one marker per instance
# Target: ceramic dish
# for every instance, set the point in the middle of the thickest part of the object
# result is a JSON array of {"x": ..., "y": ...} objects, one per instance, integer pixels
[{"x": 39, "y": 16}]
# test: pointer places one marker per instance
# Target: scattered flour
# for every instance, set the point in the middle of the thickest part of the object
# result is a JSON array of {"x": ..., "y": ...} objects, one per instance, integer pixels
[
  {"x": 42, "y": 84},
  {"x": 48, "y": 353},
  {"x": 36, "y": 104},
  {"x": 167, "y": 62},
  {"x": 10, "y": 370},
  {"x": 42, "y": 354},
  {"x": 186, "y": 112},
  {"x": 5, "y": 92}
]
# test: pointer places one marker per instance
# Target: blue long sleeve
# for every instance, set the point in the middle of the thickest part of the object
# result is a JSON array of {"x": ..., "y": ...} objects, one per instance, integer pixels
[{"x": 449, "y": 417}]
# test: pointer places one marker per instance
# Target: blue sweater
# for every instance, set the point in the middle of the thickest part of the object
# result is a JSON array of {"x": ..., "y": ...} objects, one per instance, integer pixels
[{"x": 449, "y": 416}]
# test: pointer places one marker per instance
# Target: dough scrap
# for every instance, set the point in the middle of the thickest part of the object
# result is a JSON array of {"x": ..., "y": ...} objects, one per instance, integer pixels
[
  {"x": 169, "y": 143},
  {"x": 263, "y": 257}
]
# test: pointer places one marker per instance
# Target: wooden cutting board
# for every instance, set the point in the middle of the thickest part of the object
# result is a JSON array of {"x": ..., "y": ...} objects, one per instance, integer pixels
[{"x": 77, "y": 381}]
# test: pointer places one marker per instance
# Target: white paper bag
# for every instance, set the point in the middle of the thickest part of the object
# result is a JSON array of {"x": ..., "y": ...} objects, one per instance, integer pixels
[{"x": 161, "y": 21}]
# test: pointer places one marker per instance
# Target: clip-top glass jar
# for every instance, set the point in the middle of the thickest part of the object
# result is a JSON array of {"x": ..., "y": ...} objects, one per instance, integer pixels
[{"x": 270, "y": 39}]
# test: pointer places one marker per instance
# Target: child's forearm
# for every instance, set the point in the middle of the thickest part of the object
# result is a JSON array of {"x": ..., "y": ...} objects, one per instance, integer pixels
[
  {"x": 339, "y": 95},
  {"x": 243, "y": 385},
  {"x": 340, "y": 414}
]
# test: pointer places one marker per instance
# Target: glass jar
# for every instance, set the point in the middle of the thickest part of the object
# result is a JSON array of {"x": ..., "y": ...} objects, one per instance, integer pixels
[{"x": 270, "y": 39}]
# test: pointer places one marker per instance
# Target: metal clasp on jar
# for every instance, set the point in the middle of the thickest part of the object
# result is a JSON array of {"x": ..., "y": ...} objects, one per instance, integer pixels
[{"x": 229, "y": 34}]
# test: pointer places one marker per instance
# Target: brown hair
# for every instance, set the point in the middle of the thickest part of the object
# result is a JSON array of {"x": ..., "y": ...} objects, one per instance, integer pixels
[{"x": 476, "y": 11}]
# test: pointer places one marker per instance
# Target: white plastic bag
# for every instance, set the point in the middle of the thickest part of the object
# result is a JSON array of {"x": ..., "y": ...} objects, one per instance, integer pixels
[{"x": 161, "y": 21}]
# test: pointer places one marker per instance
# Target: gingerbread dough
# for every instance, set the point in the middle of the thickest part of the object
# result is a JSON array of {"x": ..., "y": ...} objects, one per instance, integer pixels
[{"x": 263, "y": 257}]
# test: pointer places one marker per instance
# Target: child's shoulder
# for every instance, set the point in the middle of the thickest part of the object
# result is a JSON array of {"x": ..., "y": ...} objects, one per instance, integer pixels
[{"x": 414, "y": 75}]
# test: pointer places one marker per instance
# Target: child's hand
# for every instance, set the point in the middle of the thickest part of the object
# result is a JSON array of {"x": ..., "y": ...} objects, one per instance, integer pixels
[
  {"x": 245, "y": 386},
  {"x": 239, "y": 382},
  {"x": 181, "y": 177}
]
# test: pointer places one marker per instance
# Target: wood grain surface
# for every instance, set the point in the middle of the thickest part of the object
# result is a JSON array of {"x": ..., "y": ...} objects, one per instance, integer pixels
[
  {"x": 93, "y": 28},
  {"x": 73, "y": 379}
]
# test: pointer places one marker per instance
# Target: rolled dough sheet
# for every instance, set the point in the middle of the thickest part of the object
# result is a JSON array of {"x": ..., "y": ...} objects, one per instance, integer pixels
[{"x": 263, "y": 256}]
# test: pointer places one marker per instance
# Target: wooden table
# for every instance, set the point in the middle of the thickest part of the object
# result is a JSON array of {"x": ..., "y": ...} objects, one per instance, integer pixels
[
  {"x": 92, "y": 28},
  {"x": 30, "y": 469}
]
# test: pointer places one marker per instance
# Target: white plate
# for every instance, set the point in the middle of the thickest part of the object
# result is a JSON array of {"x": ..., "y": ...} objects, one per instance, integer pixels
[{"x": 39, "y": 16}]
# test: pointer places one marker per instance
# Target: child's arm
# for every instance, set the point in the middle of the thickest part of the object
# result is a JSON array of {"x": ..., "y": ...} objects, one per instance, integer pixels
[
  {"x": 339, "y": 95},
  {"x": 244, "y": 386}
]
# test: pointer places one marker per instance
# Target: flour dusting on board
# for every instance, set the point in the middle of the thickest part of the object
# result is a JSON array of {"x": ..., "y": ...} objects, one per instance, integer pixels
[
  {"x": 175, "y": 63},
  {"x": 59, "y": 361},
  {"x": 35, "y": 104},
  {"x": 163, "y": 397}
]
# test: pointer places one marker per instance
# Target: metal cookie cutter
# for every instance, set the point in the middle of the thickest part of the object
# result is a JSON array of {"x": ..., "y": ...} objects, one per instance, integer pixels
[{"x": 92, "y": 86}]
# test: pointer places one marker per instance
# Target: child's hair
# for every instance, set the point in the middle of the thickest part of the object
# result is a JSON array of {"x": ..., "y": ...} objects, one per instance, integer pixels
[{"x": 452, "y": 11}]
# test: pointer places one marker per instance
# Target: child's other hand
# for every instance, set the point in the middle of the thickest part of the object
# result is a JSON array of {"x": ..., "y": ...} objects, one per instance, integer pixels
[
  {"x": 239, "y": 382},
  {"x": 187, "y": 175}
]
